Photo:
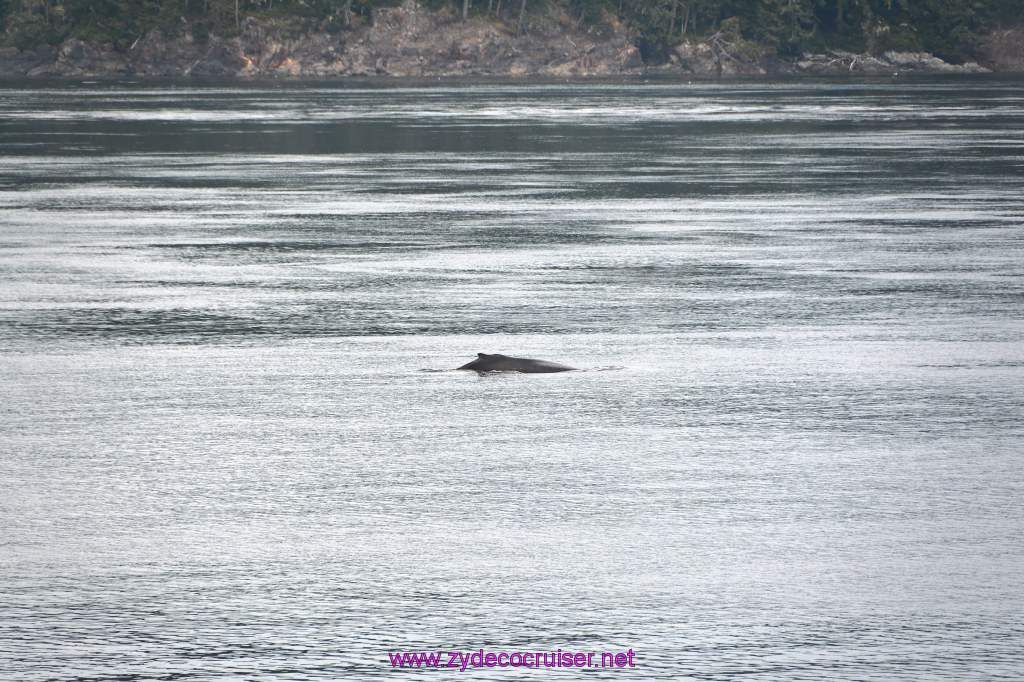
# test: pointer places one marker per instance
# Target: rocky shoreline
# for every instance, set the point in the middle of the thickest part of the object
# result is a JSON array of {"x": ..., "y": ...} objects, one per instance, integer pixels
[{"x": 414, "y": 42}]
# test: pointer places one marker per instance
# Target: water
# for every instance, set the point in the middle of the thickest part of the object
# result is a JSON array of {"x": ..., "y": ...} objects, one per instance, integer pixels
[{"x": 221, "y": 457}]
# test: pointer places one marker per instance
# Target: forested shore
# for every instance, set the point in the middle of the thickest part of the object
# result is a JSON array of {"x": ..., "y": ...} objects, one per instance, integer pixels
[{"x": 327, "y": 38}]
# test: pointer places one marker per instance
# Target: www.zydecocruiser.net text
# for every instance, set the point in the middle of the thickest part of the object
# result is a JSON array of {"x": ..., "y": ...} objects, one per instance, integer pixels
[{"x": 517, "y": 659}]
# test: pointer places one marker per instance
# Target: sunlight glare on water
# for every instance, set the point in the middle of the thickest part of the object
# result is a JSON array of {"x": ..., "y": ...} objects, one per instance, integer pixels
[{"x": 231, "y": 448}]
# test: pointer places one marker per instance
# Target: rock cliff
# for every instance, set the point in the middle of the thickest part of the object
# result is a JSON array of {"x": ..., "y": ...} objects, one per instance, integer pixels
[
  {"x": 412, "y": 41},
  {"x": 405, "y": 41}
]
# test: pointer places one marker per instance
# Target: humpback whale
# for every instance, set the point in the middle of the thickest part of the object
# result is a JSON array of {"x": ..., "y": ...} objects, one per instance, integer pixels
[{"x": 503, "y": 363}]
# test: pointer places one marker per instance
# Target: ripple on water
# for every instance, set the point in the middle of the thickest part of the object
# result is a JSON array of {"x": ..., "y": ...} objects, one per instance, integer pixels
[{"x": 233, "y": 446}]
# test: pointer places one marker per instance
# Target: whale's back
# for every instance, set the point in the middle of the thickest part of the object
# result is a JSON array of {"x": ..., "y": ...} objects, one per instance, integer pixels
[{"x": 496, "y": 362}]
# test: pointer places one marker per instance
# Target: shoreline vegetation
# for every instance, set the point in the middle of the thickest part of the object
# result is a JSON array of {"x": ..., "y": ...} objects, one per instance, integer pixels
[{"x": 517, "y": 38}]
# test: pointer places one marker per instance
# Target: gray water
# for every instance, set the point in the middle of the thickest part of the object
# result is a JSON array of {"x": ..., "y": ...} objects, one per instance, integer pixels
[{"x": 229, "y": 448}]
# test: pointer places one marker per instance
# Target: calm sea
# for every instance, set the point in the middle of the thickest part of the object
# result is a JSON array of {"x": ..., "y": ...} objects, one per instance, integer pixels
[{"x": 229, "y": 448}]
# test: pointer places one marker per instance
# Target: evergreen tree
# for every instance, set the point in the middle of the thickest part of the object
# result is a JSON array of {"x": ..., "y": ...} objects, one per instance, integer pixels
[{"x": 949, "y": 28}]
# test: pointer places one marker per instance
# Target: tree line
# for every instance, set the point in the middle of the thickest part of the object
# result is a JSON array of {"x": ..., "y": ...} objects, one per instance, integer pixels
[{"x": 950, "y": 29}]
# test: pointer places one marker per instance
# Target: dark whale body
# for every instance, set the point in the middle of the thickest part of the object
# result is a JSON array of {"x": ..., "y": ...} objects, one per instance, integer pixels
[{"x": 503, "y": 363}]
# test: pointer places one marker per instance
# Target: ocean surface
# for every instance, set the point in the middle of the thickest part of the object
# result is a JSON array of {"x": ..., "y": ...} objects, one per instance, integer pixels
[{"x": 232, "y": 446}]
